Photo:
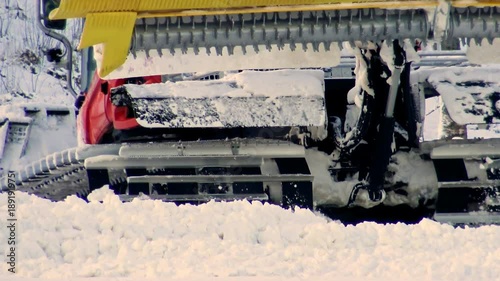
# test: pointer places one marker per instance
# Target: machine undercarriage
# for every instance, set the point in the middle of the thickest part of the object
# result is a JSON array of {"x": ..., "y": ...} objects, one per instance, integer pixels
[{"x": 274, "y": 112}]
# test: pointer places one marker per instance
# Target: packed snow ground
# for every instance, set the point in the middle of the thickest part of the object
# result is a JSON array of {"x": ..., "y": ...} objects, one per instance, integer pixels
[{"x": 150, "y": 239}]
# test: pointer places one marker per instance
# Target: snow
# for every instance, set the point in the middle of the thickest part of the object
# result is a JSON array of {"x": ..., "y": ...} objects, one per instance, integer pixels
[
  {"x": 475, "y": 131},
  {"x": 325, "y": 190},
  {"x": 484, "y": 52},
  {"x": 149, "y": 239},
  {"x": 419, "y": 175},
  {"x": 272, "y": 84},
  {"x": 408, "y": 168},
  {"x": 43, "y": 128},
  {"x": 361, "y": 73},
  {"x": 143, "y": 65},
  {"x": 438, "y": 19},
  {"x": 465, "y": 102},
  {"x": 230, "y": 112},
  {"x": 387, "y": 54},
  {"x": 246, "y": 99}
]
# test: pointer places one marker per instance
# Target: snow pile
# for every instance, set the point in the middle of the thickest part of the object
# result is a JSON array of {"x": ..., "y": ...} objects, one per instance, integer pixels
[{"x": 153, "y": 239}]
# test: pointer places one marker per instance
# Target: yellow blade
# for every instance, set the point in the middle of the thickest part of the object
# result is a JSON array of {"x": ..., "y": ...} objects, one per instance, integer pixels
[{"x": 113, "y": 31}]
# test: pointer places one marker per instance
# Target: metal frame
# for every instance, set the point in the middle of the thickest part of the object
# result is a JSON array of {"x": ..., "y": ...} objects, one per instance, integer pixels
[{"x": 67, "y": 44}]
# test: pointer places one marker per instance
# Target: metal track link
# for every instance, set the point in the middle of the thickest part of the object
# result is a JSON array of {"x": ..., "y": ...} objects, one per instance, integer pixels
[{"x": 62, "y": 181}]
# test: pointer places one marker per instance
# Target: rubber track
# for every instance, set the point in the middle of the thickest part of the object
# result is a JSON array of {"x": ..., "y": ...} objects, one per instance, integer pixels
[
  {"x": 60, "y": 174},
  {"x": 59, "y": 184}
]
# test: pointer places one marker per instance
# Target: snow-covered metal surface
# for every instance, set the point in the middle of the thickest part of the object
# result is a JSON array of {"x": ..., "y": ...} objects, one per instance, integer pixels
[
  {"x": 271, "y": 84},
  {"x": 248, "y": 147},
  {"x": 247, "y": 99},
  {"x": 471, "y": 94},
  {"x": 227, "y": 112},
  {"x": 483, "y": 131},
  {"x": 16, "y": 138}
]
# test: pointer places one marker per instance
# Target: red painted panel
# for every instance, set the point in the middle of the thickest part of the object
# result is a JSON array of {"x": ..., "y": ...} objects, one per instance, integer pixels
[{"x": 99, "y": 116}]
